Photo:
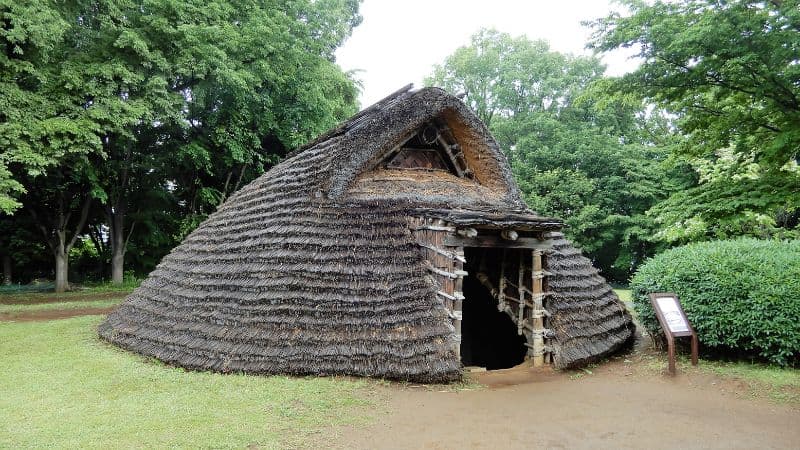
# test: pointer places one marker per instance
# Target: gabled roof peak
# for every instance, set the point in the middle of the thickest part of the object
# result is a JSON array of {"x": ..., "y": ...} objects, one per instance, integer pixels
[{"x": 363, "y": 141}]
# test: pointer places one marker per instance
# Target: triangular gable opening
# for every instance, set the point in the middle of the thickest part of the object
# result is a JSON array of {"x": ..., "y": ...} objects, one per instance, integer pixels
[{"x": 431, "y": 147}]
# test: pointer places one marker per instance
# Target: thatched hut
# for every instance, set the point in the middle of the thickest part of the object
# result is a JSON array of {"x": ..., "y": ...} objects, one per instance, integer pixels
[{"x": 395, "y": 245}]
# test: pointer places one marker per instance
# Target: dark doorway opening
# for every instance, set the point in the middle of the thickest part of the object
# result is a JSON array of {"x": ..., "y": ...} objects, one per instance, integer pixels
[{"x": 489, "y": 337}]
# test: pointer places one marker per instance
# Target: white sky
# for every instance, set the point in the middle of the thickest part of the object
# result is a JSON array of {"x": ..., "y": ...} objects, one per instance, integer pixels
[{"x": 399, "y": 41}]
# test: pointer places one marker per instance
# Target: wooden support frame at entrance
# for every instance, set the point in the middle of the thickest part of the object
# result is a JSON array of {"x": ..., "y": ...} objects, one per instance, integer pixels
[
  {"x": 538, "y": 311},
  {"x": 517, "y": 279}
]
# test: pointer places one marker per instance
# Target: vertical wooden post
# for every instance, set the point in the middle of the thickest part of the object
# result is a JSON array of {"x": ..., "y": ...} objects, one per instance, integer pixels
[
  {"x": 548, "y": 356},
  {"x": 501, "y": 290},
  {"x": 521, "y": 290},
  {"x": 538, "y": 313},
  {"x": 430, "y": 233},
  {"x": 458, "y": 306},
  {"x": 671, "y": 354}
]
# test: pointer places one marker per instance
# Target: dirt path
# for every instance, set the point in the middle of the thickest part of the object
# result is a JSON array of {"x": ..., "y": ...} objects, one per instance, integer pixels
[
  {"x": 39, "y": 300},
  {"x": 53, "y": 314},
  {"x": 613, "y": 407}
]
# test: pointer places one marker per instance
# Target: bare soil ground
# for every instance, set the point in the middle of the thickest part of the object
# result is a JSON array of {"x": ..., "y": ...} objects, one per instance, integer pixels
[
  {"x": 622, "y": 403},
  {"x": 38, "y": 299},
  {"x": 53, "y": 314}
]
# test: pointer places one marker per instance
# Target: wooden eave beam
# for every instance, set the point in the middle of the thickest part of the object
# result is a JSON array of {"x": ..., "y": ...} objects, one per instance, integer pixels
[{"x": 498, "y": 242}]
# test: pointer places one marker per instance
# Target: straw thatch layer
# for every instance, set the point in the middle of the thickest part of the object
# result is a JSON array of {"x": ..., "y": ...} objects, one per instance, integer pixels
[
  {"x": 588, "y": 318},
  {"x": 350, "y": 299}
]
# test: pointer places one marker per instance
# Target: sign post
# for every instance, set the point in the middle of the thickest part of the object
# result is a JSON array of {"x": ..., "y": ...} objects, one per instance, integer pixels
[{"x": 674, "y": 323}]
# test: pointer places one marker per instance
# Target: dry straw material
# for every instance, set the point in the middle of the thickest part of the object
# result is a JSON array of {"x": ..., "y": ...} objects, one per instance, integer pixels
[{"x": 312, "y": 268}]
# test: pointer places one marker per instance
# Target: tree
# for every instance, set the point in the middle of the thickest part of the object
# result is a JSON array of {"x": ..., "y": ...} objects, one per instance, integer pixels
[
  {"x": 189, "y": 99},
  {"x": 504, "y": 77},
  {"x": 277, "y": 87},
  {"x": 577, "y": 154},
  {"x": 729, "y": 72},
  {"x": 59, "y": 206},
  {"x": 243, "y": 81},
  {"x": 599, "y": 181}
]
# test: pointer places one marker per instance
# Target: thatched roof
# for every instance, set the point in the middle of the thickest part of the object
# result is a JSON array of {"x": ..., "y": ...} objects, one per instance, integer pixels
[{"x": 312, "y": 269}]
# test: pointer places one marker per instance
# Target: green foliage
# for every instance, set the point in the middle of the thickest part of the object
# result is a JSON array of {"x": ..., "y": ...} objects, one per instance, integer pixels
[
  {"x": 742, "y": 296},
  {"x": 734, "y": 205},
  {"x": 593, "y": 160},
  {"x": 38, "y": 123},
  {"x": 504, "y": 76},
  {"x": 728, "y": 70}
]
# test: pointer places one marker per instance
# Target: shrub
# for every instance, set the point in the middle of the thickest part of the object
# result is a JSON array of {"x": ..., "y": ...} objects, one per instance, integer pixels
[{"x": 742, "y": 296}]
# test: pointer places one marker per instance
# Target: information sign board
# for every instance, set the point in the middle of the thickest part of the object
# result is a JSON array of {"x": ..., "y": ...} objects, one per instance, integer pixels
[
  {"x": 673, "y": 315},
  {"x": 674, "y": 322}
]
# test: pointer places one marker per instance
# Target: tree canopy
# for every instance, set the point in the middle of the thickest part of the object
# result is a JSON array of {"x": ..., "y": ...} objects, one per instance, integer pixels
[
  {"x": 39, "y": 124},
  {"x": 729, "y": 72}
]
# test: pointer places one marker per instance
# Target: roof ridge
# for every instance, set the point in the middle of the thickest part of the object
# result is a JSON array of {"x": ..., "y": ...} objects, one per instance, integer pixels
[{"x": 355, "y": 121}]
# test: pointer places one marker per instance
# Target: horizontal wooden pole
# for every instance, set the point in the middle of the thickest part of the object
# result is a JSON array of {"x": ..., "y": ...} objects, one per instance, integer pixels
[{"x": 497, "y": 241}]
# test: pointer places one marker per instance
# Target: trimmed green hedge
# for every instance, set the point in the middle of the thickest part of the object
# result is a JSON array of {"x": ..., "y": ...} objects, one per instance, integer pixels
[{"x": 742, "y": 296}]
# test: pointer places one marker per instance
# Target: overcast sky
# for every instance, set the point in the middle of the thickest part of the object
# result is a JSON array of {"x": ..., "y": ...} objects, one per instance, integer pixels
[{"x": 399, "y": 41}]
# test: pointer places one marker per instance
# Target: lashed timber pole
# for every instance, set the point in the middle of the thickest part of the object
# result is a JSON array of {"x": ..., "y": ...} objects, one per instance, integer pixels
[{"x": 538, "y": 310}]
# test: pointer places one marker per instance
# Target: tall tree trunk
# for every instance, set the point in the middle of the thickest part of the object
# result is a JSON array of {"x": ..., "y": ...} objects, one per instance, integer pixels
[
  {"x": 117, "y": 258},
  {"x": 119, "y": 242},
  {"x": 116, "y": 212},
  {"x": 6, "y": 269},
  {"x": 62, "y": 267}
]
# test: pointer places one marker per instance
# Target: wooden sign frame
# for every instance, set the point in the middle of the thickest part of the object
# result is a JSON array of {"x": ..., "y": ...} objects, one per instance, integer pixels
[{"x": 674, "y": 326}]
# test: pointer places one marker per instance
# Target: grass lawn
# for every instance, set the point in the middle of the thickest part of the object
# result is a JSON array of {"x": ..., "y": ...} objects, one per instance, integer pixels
[
  {"x": 624, "y": 295},
  {"x": 42, "y": 290},
  {"x": 62, "y": 387}
]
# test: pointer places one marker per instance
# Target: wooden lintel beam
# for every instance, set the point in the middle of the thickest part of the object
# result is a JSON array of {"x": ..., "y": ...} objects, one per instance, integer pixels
[{"x": 497, "y": 241}]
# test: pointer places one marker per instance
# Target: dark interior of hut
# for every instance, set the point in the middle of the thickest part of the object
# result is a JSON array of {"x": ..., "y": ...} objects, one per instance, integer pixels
[{"x": 488, "y": 337}]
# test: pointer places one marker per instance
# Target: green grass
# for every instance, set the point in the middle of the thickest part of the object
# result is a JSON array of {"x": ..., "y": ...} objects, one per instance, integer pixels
[
  {"x": 62, "y": 387},
  {"x": 41, "y": 301},
  {"x": 624, "y": 295},
  {"x": 127, "y": 285},
  {"x": 38, "y": 291}
]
